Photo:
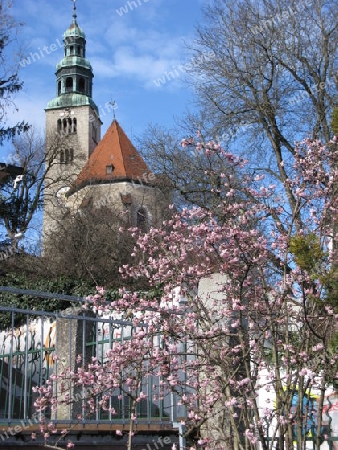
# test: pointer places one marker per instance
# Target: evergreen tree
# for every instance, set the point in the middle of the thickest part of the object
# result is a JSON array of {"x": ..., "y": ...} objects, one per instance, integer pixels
[{"x": 10, "y": 83}]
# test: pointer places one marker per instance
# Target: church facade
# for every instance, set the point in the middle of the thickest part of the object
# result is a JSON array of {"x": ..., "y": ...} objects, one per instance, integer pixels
[{"x": 88, "y": 171}]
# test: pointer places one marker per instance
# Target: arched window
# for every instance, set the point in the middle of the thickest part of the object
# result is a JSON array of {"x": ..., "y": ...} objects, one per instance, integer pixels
[
  {"x": 71, "y": 50},
  {"x": 71, "y": 155},
  {"x": 59, "y": 125},
  {"x": 79, "y": 50},
  {"x": 142, "y": 219},
  {"x": 66, "y": 156},
  {"x": 82, "y": 85},
  {"x": 64, "y": 125},
  {"x": 69, "y": 84},
  {"x": 59, "y": 87},
  {"x": 74, "y": 125},
  {"x": 70, "y": 125},
  {"x": 62, "y": 157}
]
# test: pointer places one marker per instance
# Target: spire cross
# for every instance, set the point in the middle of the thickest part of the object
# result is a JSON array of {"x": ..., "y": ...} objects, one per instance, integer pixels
[
  {"x": 113, "y": 103},
  {"x": 74, "y": 9}
]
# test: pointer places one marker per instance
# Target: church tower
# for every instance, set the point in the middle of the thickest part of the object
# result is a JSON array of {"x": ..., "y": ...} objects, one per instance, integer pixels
[
  {"x": 89, "y": 173},
  {"x": 73, "y": 125}
]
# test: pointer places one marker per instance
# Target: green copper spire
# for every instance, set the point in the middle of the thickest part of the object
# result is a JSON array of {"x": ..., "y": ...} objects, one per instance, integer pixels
[
  {"x": 74, "y": 74},
  {"x": 74, "y": 29}
]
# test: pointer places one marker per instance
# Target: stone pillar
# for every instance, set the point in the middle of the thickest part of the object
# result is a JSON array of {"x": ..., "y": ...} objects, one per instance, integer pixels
[
  {"x": 73, "y": 331},
  {"x": 211, "y": 295}
]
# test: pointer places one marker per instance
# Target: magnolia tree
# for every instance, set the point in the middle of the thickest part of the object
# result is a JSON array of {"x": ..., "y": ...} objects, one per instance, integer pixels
[{"x": 266, "y": 331}]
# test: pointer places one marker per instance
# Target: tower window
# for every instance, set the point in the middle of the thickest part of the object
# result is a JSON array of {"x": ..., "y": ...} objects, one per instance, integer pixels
[
  {"x": 69, "y": 84},
  {"x": 94, "y": 133},
  {"x": 62, "y": 157},
  {"x": 69, "y": 155},
  {"x": 71, "y": 48},
  {"x": 59, "y": 87},
  {"x": 142, "y": 219},
  {"x": 82, "y": 85},
  {"x": 79, "y": 50},
  {"x": 67, "y": 126}
]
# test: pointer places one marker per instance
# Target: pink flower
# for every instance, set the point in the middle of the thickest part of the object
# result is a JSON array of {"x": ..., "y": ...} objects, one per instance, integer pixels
[
  {"x": 100, "y": 290},
  {"x": 119, "y": 433}
]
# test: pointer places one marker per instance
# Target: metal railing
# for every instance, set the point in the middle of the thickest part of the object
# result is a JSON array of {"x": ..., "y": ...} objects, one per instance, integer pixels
[
  {"x": 25, "y": 361},
  {"x": 38, "y": 344}
]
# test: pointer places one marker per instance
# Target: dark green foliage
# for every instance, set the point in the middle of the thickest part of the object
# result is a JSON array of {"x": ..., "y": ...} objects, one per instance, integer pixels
[
  {"x": 334, "y": 121},
  {"x": 330, "y": 283},
  {"x": 11, "y": 132},
  {"x": 60, "y": 285},
  {"x": 310, "y": 257},
  {"x": 307, "y": 251},
  {"x": 10, "y": 83}
]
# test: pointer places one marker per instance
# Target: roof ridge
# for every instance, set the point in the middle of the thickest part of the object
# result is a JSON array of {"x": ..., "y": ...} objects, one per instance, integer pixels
[{"x": 118, "y": 127}]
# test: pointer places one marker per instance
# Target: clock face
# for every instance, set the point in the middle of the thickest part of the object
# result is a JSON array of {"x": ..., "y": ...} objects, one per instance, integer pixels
[{"x": 61, "y": 195}]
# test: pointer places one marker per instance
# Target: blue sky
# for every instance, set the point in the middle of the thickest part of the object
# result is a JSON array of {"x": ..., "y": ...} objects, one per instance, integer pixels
[{"x": 131, "y": 46}]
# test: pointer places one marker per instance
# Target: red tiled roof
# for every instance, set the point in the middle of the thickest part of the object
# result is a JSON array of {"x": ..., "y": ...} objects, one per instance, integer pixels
[{"x": 116, "y": 150}]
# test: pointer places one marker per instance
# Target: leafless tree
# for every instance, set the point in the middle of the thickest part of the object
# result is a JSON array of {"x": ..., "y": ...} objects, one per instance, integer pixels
[
  {"x": 89, "y": 244},
  {"x": 266, "y": 75},
  {"x": 193, "y": 176},
  {"x": 273, "y": 75},
  {"x": 23, "y": 197}
]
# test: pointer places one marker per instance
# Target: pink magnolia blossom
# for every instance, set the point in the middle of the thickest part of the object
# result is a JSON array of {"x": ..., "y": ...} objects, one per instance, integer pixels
[{"x": 263, "y": 330}]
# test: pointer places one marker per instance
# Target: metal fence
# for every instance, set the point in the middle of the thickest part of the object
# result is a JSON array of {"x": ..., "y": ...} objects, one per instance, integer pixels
[
  {"x": 25, "y": 361},
  {"x": 28, "y": 350}
]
